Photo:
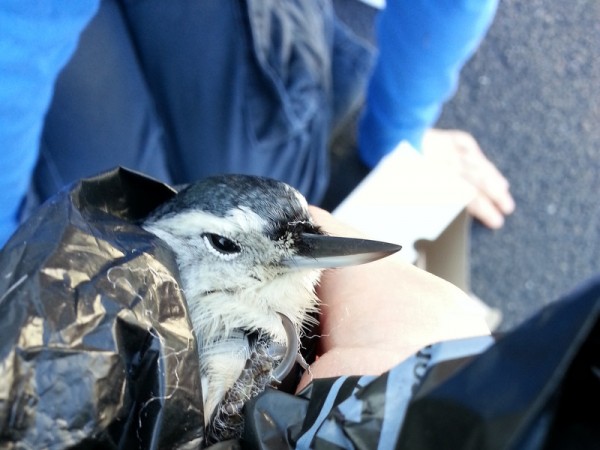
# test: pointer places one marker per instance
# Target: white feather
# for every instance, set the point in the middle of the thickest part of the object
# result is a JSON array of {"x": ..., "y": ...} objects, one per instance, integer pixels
[{"x": 229, "y": 293}]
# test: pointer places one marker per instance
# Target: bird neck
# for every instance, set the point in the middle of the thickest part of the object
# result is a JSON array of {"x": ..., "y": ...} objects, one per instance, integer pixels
[{"x": 216, "y": 315}]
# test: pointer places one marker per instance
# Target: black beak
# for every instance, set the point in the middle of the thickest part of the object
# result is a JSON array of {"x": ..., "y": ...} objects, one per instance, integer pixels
[{"x": 319, "y": 251}]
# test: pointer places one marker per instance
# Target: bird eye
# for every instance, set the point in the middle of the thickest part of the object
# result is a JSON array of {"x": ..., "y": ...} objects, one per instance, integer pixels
[{"x": 221, "y": 246}]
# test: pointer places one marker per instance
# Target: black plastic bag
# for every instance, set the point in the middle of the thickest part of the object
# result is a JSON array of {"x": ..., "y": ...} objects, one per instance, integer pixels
[
  {"x": 96, "y": 351},
  {"x": 96, "y": 348}
]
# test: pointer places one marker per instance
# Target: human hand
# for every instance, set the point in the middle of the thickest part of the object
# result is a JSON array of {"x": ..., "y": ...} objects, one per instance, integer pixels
[
  {"x": 460, "y": 152},
  {"x": 375, "y": 315}
]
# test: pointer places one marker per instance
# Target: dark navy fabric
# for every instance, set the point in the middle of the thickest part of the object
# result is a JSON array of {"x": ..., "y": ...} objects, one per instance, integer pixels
[
  {"x": 185, "y": 89},
  {"x": 102, "y": 113}
]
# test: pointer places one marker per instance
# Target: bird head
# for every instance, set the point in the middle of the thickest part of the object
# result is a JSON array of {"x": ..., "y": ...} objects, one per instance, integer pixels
[
  {"x": 249, "y": 256},
  {"x": 248, "y": 252}
]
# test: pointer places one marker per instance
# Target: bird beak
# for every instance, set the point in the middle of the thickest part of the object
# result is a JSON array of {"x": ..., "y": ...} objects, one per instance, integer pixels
[{"x": 317, "y": 251}]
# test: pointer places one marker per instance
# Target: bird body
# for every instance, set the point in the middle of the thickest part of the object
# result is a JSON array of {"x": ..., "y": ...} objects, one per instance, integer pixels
[
  {"x": 246, "y": 289},
  {"x": 249, "y": 258}
]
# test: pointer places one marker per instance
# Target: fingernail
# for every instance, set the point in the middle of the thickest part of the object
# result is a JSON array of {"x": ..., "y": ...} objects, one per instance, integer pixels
[{"x": 497, "y": 222}]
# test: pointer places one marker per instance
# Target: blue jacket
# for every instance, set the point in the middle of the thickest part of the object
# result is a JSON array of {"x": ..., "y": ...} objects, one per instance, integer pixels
[
  {"x": 36, "y": 40},
  {"x": 423, "y": 45},
  {"x": 182, "y": 102}
]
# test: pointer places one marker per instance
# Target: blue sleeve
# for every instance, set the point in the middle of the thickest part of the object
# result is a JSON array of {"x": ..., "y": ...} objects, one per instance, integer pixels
[
  {"x": 37, "y": 38},
  {"x": 423, "y": 45}
]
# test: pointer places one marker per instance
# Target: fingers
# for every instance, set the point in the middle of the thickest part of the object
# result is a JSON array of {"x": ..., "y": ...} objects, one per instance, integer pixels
[
  {"x": 375, "y": 315},
  {"x": 370, "y": 321},
  {"x": 485, "y": 211},
  {"x": 493, "y": 200}
]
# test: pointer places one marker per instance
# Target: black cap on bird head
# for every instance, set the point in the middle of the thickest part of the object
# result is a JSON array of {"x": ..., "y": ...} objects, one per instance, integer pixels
[{"x": 285, "y": 211}]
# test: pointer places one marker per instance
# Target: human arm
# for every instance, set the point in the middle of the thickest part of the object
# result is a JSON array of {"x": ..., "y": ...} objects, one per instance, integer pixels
[
  {"x": 423, "y": 46},
  {"x": 36, "y": 41},
  {"x": 375, "y": 315}
]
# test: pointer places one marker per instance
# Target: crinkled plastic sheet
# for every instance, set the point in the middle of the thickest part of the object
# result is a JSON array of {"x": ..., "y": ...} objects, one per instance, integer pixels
[
  {"x": 96, "y": 348},
  {"x": 96, "y": 351}
]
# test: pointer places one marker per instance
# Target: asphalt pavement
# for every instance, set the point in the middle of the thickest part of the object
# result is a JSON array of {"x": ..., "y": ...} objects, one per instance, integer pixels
[{"x": 531, "y": 97}]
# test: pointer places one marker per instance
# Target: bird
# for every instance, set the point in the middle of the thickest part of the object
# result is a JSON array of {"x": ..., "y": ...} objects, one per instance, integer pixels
[{"x": 249, "y": 257}]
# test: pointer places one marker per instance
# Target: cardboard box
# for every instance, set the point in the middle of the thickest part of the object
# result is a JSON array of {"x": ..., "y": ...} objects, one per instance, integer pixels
[{"x": 411, "y": 201}]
